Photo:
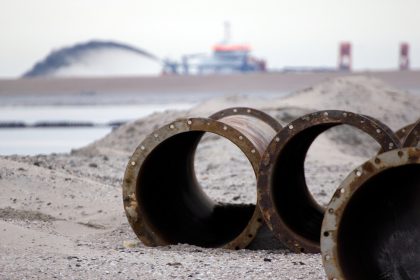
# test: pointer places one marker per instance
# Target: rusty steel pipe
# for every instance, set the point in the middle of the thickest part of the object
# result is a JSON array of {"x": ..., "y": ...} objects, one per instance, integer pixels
[
  {"x": 409, "y": 135},
  {"x": 371, "y": 229},
  {"x": 248, "y": 113},
  {"x": 163, "y": 201},
  {"x": 287, "y": 205},
  {"x": 412, "y": 138},
  {"x": 403, "y": 131}
]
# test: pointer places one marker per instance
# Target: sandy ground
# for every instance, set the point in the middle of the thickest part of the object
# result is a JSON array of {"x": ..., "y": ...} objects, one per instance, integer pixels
[{"x": 61, "y": 215}]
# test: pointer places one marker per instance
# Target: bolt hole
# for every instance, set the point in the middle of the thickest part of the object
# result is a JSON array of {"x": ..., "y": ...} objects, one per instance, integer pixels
[{"x": 326, "y": 233}]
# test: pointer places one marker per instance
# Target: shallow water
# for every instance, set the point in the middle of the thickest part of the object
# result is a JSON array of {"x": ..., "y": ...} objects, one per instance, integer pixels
[
  {"x": 44, "y": 140},
  {"x": 97, "y": 114},
  {"x": 32, "y": 141}
]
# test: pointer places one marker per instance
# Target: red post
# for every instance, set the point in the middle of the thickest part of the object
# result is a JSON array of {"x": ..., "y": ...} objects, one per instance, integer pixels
[
  {"x": 404, "y": 56},
  {"x": 344, "y": 58}
]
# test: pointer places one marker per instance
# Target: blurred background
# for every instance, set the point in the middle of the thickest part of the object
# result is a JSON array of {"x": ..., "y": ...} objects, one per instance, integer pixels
[{"x": 71, "y": 71}]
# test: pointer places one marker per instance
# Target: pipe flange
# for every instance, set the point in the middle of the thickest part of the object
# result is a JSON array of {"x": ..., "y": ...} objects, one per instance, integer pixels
[
  {"x": 412, "y": 138},
  {"x": 145, "y": 175},
  {"x": 403, "y": 131},
  {"x": 288, "y": 208},
  {"x": 370, "y": 206},
  {"x": 246, "y": 111}
]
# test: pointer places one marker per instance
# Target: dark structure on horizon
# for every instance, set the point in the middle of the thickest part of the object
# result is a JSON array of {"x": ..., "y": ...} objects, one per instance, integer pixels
[
  {"x": 404, "y": 57},
  {"x": 345, "y": 57},
  {"x": 226, "y": 58}
]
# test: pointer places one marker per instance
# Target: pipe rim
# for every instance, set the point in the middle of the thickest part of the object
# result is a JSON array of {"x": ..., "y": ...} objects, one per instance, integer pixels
[
  {"x": 403, "y": 131},
  {"x": 412, "y": 137},
  {"x": 343, "y": 195},
  {"x": 138, "y": 222},
  {"x": 247, "y": 111},
  {"x": 290, "y": 238}
]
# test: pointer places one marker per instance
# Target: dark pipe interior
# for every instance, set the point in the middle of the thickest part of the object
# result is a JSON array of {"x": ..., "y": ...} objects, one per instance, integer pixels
[
  {"x": 379, "y": 232},
  {"x": 173, "y": 203},
  {"x": 292, "y": 198}
]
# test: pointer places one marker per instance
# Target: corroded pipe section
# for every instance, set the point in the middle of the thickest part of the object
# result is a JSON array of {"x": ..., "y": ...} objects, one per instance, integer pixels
[
  {"x": 287, "y": 205},
  {"x": 403, "y": 131},
  {"x": 250, "y": 114},
  {"x": 163, "y": 201},
  {"x": 412, "y": 138},
  {"x": 372, "y": 225}
]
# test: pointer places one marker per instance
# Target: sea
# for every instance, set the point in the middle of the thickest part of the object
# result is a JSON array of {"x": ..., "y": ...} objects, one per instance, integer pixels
[
  {"x": 101, "y": 113},
  {"x": 33, "y": 139},
  {"x": 37, "y": 113}
]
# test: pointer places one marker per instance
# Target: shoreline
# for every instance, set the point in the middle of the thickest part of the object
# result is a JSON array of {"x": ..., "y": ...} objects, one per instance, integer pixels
[
  {"x": 246, "y": 83},
  {"x": 62, "y": 215}
]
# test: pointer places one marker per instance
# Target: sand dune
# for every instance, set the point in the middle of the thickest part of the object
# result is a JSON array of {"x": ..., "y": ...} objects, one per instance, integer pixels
[{"x": 62, "y": 216}]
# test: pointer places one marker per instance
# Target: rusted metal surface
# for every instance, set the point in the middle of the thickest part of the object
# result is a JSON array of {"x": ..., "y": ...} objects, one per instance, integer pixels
[
  {"x": 163, "y": 201},
  {"x": 258, "y": 126},
  {"x": 288, "y": 207},
  {"x": 371, "y": 227},
  {"x": 412, "y": 138},
  {"x": 409, "y": 135},
  {"x": 402, "y": 132},
  {"x": 249, "y": 113}
]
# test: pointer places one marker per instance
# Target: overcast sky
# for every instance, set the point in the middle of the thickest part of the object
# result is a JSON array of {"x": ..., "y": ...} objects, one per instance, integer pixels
[{"x": 286, "y": 33}]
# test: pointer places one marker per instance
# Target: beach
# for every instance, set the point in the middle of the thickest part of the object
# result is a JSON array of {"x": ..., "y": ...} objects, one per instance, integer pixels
[{"x": 62, "y": 215}]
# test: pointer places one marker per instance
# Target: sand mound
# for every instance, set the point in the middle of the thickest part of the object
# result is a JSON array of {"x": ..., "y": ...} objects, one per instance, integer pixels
[
  {"x": 124, "y": 139},
  {"x": 358, "y": 94},
  {"x": 62, "y": 215}
]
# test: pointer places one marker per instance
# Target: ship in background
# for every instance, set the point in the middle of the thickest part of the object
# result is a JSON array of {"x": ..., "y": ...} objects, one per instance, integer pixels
[
  {"x": 226, "y": 58},
  {"x": 105, "y": 58}
]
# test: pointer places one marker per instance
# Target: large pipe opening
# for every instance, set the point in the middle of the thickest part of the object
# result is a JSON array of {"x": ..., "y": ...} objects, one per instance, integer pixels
[
  {"x": 226, "y": 175},
  {"x": 165, "y": 202},
  {"x": 378, "y": 233},
  {"x": 293, "y": 201},
  {"x": 287, "y": 204},
  {"x": 332, "y": 156},
  {"x": 173, "y": 203}
]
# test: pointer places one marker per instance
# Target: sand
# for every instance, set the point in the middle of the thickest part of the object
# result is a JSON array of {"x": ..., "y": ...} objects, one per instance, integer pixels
[{"x": 61, "y": 215}]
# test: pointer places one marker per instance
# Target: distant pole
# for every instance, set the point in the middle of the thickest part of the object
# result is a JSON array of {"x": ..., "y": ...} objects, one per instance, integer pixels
[
  {"x": 404, "y": 56},
  {"x": 226, "y": 38},
  {"x": 185, "y": 65},
  {"x": 344, "y": 58}
]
